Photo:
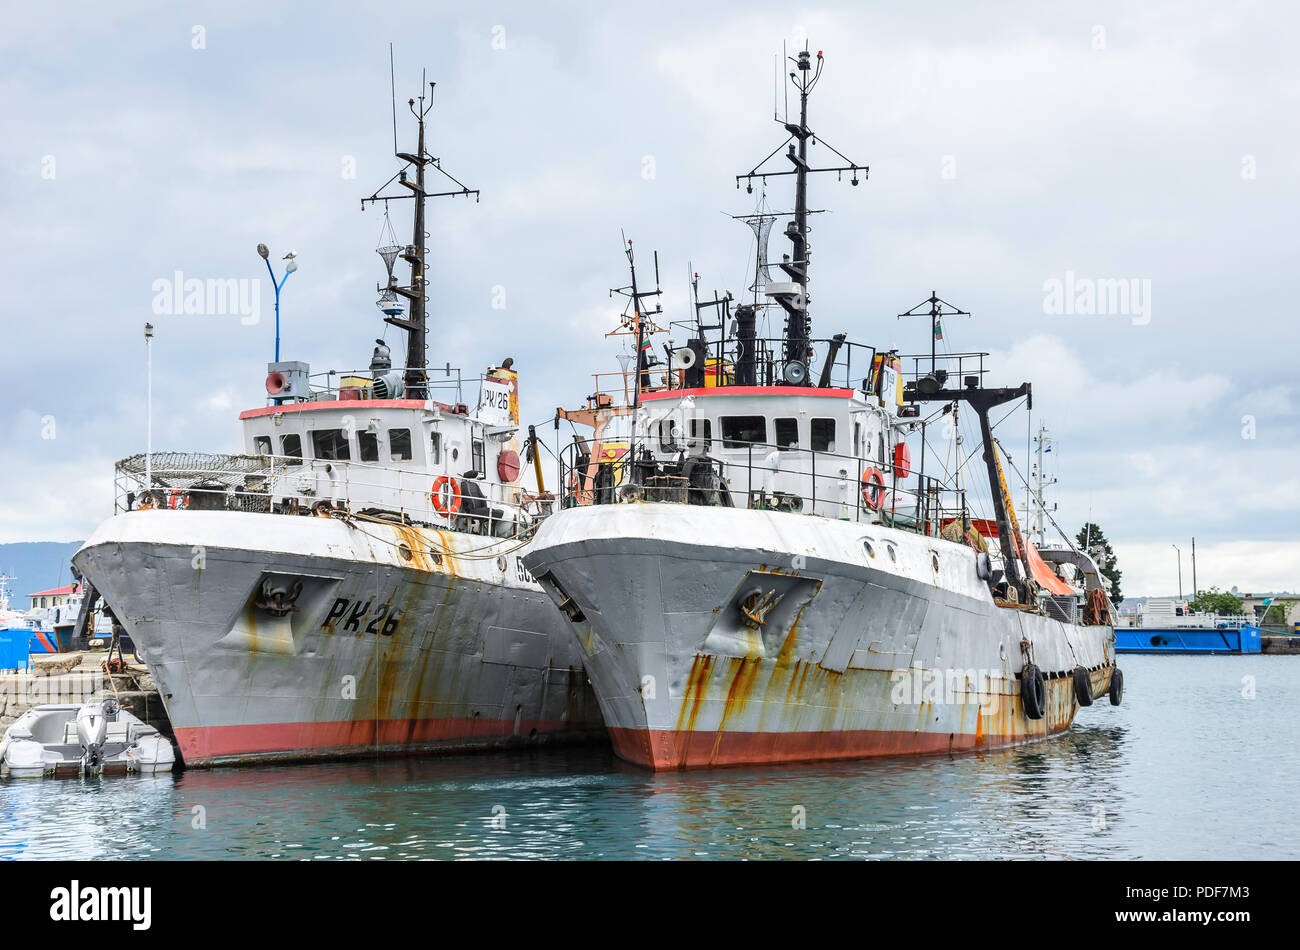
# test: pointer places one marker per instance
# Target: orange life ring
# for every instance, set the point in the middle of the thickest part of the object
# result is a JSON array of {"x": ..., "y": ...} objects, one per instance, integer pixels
[
  {"x": 873, "y": 488},
  {"x": 178, "y": 499},
  {"x": 452, "y": 505}
]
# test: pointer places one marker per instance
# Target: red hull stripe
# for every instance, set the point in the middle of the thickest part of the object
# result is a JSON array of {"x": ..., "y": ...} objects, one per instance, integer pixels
[
  {"x": 748, "y": 391},
  {"x": 352, "y": 404},
  {"x": 306, "y": 739},
  {"x": 673, "y": 749}
]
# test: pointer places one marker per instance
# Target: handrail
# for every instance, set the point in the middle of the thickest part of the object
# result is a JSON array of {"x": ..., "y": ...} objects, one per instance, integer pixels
[
  {"x": 773, "y": 478},
  {"x": 286, "y": 485},
  {"x": 766, "y": 356}
]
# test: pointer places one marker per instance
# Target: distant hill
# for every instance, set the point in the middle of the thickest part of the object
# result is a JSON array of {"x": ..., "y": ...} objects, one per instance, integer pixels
[{"x": 36, "y": 565}]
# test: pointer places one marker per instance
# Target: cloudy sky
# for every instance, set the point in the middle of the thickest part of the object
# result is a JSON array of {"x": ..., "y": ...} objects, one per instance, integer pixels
[{"x": 1009, "y": 145}]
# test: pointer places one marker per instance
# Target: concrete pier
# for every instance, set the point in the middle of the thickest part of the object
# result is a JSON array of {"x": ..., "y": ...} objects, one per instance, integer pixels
[
  {"x": 1279, "y": 643},
  {"x": 80, "y": 678}
]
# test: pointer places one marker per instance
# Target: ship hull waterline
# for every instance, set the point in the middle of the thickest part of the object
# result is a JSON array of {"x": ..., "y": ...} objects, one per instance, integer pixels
[
  {"x": 897, "y": 652},
  {"x": 453, "y": 648}
]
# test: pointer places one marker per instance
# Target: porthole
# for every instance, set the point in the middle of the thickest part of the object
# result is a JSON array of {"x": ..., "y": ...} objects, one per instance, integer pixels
[
  {"x": 893, "y": 555},
  {"x": 934, "y": 561},
  {"x": 866, "y": 546},
  {"x": 435, "y": 556},
  {"x": 501, "y": 564},
  {"x": 404, "y": 549}
]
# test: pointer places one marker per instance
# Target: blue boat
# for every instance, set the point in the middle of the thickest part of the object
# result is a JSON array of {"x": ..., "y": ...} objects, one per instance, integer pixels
[
  {"x": 14, "y": 632},
  {"x": 1171, "y": 626},
  {"x": 1225, "y": 639}
]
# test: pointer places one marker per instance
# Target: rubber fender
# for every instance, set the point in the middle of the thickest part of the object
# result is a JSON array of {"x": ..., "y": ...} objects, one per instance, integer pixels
[
  {"x": 1033, "y": 692},
  {"x": 1082, "y": 686},
  {"x": 1116, "y": 690}
]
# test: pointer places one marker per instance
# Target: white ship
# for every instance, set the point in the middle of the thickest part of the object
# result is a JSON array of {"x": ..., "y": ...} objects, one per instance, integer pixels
[
  {"x": 755, "y": 571},
  {"x": 352, "y": 582}
]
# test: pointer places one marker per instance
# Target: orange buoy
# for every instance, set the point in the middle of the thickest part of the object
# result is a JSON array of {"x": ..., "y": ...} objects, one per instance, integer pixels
[
  {"x": 873, "y": 488},
  {"x": 451, "y": 505}
]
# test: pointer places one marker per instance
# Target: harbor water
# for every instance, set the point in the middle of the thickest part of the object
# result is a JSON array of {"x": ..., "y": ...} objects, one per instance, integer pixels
[{"x": 1198, "y": 762}]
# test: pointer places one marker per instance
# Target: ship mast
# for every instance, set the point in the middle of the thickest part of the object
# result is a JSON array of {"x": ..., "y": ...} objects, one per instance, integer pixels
[
  {"x": 642, "y": 326},
  {"x": 793, "y": 296},
  {"x": 415, "y": 324},
  {"x": 1038, "y": 507}
]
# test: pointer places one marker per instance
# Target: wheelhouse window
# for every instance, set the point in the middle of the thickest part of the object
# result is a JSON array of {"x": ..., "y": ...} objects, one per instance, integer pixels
[
  {"x": 668, "y": 435},
  {"x": 787, "y": 433},
  {"x": 479, "y": 460},
  {"x": 399, "y": 445},
  {"x": 262, "y": 444},
  {"x": 435, "y": 448},
  {"x": 367, "y": 446},
  {"x": 291, "y": 448},
  {"x": 823, "y": 435},
  {"x": 740, "y": 431},
  {"x": 701, "y": 429},
  {"x": 330, "y": 444}
]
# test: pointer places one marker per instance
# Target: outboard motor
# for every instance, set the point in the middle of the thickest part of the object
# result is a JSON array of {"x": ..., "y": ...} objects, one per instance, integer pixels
[{"x": 92, "y": 730}]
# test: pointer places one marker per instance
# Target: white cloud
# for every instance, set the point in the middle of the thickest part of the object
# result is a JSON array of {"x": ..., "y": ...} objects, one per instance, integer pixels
[
  {"x": 1122, "y": 162},
  {"x": 1151, "y": 569},
  {"x": 1269, "y": 401}
]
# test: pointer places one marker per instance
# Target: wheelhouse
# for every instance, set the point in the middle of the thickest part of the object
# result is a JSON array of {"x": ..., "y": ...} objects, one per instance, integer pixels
[{"x": 348, "y": 449}]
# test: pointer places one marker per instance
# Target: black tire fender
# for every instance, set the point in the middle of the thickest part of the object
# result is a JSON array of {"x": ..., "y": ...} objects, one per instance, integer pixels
[
  {"x": 1033, "y": 692},
  {"x": 1116, "y": 690},
  {"x": 1082, "y": 686}
]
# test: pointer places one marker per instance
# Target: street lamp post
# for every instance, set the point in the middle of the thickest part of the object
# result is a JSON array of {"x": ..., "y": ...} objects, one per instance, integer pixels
[
  {"x": 1180, "y": 570},
  {"x": 148, "y": 432},
  {"x": 288, "y": 269}
]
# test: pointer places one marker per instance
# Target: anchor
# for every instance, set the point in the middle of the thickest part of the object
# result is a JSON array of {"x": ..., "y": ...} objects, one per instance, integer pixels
[
  {"x": 276, "y": 600},
  {"x": 757, "y": 606}
]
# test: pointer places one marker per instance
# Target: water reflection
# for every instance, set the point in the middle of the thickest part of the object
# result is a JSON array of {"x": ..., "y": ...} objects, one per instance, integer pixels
[{"x": 1187, "y": 768}]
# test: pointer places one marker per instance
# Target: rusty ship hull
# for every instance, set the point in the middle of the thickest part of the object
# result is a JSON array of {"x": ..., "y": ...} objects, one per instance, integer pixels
[
  {"x": 881, "y": 642},
  {"x": 453, "y": 647}
]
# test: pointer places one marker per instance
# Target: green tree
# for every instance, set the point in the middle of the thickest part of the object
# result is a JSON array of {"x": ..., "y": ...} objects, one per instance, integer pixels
[
  {"x": 1274, "y": 615},
  {"x": 1215, "y": 601},
  {"x": 1093, "y": 542}
]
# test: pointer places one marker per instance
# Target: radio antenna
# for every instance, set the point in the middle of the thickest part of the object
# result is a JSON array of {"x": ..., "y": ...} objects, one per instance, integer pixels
[
  {"x": 392, "y": 86},
  {"x": 776, "y": 86},
  {"x": 787, "y": 90}
]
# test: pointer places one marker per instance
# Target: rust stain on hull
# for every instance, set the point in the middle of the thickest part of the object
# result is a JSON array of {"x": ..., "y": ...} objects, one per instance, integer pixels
[{"x": 802, "y": 712}]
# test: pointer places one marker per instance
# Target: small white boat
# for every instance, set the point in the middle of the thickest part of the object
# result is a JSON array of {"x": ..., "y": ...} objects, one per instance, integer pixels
[{"x": 94, "y": 738}]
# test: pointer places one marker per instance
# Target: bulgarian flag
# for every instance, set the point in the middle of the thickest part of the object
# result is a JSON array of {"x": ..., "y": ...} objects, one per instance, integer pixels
[
  {"x": 938, "y": 330},
  {"x": 645, "y": 344}
]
